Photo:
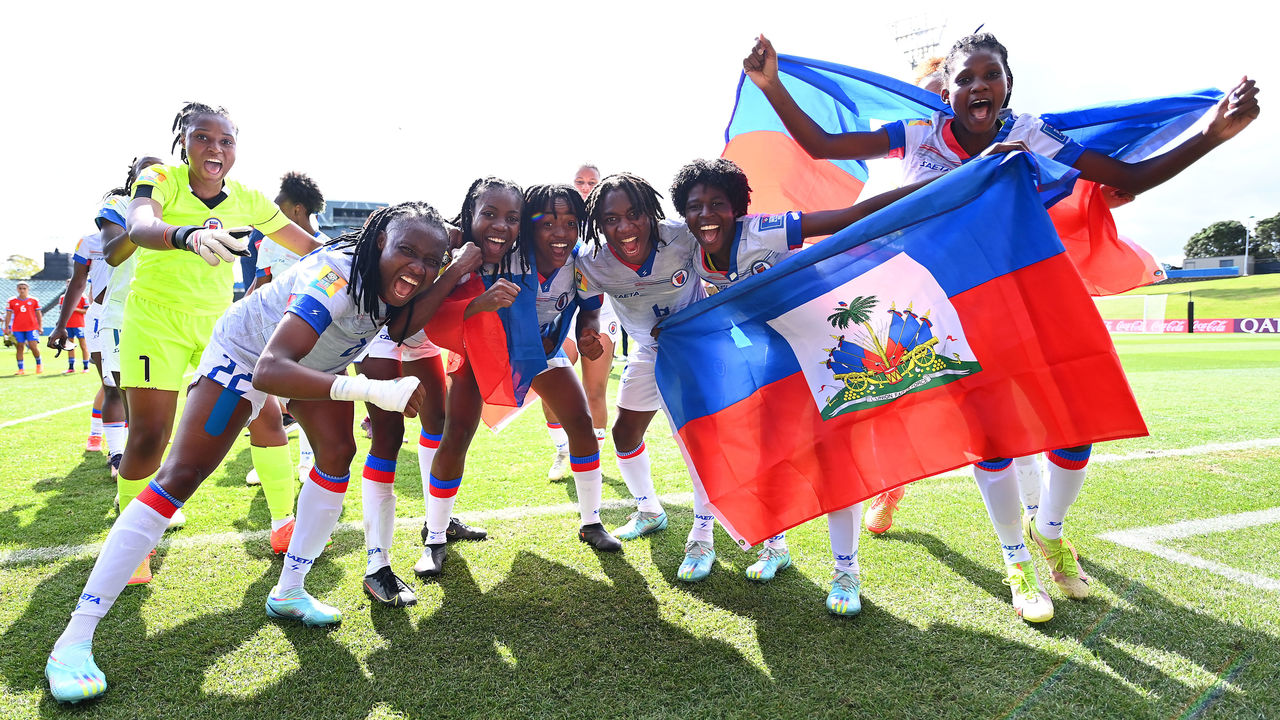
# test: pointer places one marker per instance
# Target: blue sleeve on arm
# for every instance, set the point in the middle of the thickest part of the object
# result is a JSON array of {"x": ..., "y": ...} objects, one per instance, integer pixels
[
  {"x": 897, "y": 135},
  {"x": 312, "y": 311},
  {"x": 794, "y": 237},
  {"x": 592, "y": 303},
  {"x": 1069, "y": 153},
  {"x": 108, "y": 213}
]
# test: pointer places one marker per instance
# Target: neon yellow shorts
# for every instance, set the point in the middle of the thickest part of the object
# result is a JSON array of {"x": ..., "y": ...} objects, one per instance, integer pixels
[{"x": 159, "y": 344}]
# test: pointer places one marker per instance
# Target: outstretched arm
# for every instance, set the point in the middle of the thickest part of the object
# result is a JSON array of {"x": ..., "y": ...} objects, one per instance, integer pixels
[
  {"x": 762, "y": 67},
  {"x": 1234, "y": 113},
  {"x": 826, "y": 222}
]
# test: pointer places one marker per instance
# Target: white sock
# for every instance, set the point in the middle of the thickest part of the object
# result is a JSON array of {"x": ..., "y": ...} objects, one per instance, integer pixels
[
  {"x": 777, "y": 542},
  {"x": 440, "y": 498},
  {"x": 843, "y": 526},
  {"x": 600, "y": 435},
  {"x": 999, "y": 487},
  {"x": 306, "y": 457},
  {"x": 133, "y": 535},
  {"x": 1066, "y": 477},
  {"x": 634, "y": 466},
  {"x": 378, "y": 498},
  {"x": 704, "y": 523},
  {"x": 95, "y": 426},
  {"x": 427, "y": 447},
  {"x": 1030, "y": 476},
  {"x": 589, "y": 482},
  {"x": 319, "y": 506},
  {"x": 277, "y": 524},
  {"x": 559, "y": 437},
  {"x": 116, "y": 434}
]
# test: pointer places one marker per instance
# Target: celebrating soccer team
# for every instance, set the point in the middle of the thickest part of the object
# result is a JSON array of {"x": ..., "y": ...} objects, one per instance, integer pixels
[{"x": 593, "y": 256}]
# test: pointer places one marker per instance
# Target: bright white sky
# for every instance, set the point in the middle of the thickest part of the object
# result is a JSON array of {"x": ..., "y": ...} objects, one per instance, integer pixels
[{"x": 394, "y": 101}]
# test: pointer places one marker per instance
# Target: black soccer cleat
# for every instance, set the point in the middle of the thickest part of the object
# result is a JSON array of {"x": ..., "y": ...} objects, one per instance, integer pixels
[
  {"x": 431, "y": 564},
  {"x": 386, "y": 588},
  {"x": 457, "y": 530},
  {"x": 597, "y": 537}
]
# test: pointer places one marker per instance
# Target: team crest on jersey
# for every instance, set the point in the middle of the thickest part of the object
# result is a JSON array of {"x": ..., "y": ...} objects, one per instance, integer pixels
[
  {"x": 680, "y": 277},
  {"x": 759, "y": 266},
  {"x": 213, "y": 224},
  {"x": 329, "y": 281},
  {"x": 562, "y": 301},
  {"x": 613, "y": 327}
]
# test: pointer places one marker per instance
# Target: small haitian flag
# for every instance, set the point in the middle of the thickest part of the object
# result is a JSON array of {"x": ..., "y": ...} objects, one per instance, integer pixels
[{"x": 945, "y": 329}]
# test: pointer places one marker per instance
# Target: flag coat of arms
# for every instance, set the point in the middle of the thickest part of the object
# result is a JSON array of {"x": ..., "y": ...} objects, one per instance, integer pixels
[
  {"x": 945, "y": 329},
  {"x": 846, "y": 99}
]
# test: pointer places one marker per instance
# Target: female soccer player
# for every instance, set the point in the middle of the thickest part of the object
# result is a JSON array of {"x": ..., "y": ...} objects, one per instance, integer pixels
[
  {"x": 287, "y": 340},
  {"x": 491, "y": 215},
  {"x": 977, "y": 85},
  {"x": 167, "y": 323}
]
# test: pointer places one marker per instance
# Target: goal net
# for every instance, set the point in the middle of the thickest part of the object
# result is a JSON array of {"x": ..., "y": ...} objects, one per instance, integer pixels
[{"x": 1133, "y": 313}]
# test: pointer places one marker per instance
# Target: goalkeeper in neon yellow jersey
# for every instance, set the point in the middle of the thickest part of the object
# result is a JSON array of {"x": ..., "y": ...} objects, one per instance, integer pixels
[{"x": 176, "y": 296}]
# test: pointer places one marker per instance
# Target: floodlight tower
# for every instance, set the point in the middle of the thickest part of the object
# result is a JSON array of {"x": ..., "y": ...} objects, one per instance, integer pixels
[{"x": 919, "y": 37}]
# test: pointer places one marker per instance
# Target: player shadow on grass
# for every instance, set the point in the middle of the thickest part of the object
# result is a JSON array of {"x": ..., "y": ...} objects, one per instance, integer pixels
[
  {"x": 1132, "y": 615},
  {"x": 85, "y": 491},
  {"x": 178, "y": 659}
]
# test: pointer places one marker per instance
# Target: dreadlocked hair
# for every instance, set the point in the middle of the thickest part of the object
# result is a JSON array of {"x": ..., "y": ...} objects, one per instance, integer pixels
[
  {"x": 973, "y": 43},
  {"x": 366, "y": 279},
  {"x": 301, "y": 189},
  {"x": 639, "y": 192},
  {"x": 127, "y": 189},
  {"x": 719, "y": 173},
  {"x": 183, "y": 119},
  {"x": 540, "y": 199},
  {"x": 468, "y": 214}
]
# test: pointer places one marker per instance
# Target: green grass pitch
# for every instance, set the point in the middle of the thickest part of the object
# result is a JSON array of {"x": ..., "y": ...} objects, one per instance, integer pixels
[{"x": 532, "y": 623}]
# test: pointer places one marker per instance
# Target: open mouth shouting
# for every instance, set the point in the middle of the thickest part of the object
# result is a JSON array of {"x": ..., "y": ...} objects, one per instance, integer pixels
[
  {"x": 981, "y": 109},
  {"x": 405, "y": 286}
]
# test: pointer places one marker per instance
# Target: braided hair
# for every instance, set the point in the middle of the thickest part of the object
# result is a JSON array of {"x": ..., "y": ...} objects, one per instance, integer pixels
[
  {"x": 638, "y": 190},
  {"x": 468, "y": 214},
  {"x": 719, "y": 173},
  {"x": 184, "y": 117},
  {"x": 537, "y": 200},
  {"x": 973, "y": 43},
  {"x": 301, "y": 189},
  {"x": 366, "y": 278},
  {"x": 130, "y": 175}
]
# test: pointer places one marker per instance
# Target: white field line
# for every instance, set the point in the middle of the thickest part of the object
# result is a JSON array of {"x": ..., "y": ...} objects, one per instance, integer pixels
[
  {"x": 1148, "y": 540},
  {"x": 58, "y": 552},
  {"x": 37, "y": 416},
  {"x": 77, "y": 552}
]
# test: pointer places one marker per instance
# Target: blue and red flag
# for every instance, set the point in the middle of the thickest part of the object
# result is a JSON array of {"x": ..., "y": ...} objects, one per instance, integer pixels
[
  {"x": 945, "y": 329},
  {"x": 844, "y": 99},
  {"x": 503, "y": 348}
]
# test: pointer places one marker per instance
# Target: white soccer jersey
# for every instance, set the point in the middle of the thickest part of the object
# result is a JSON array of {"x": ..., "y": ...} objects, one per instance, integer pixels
[
  {"x": 555, "y": 292},
  {"x": 274, "y": 259},
  {"x": 643, "y": 295},
  {"x": 117, "y": 292},
  {"x": 928, "y": 148},
  {"x": 315, "y": 289},
  {"x": 759, "y": 243},
  {"x": 89, "y": 253}
]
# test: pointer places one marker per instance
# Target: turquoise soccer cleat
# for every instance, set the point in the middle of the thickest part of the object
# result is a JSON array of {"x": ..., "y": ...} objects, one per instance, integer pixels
[
  {"x": 845, "y": 596},
  {"x": 640, "y": 523},
  {"x": 297, "y": 604},
  {"x": 698, "y": 558},
  {"x": 73, "y": 675},
  {"x": 769, "y": 563}
]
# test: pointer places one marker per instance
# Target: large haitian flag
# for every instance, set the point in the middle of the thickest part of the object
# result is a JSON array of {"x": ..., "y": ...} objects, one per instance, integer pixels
[
  {"x": 845, "y": 99},
  {"x": 945, "y": 329}
]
